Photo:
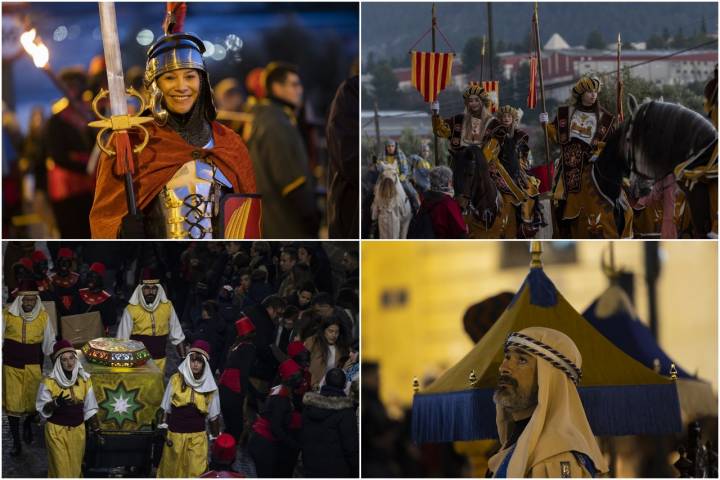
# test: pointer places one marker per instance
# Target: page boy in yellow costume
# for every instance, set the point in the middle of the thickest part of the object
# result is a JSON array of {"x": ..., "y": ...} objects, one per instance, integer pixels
[
  {"x": 28, "y": 334},
  {"x": 66, "y": 400},
  {"x": 190, "y": 397}
]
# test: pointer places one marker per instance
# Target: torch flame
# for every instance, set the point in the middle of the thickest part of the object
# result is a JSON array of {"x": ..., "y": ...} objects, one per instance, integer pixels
[{"x": 38, "y": 51}]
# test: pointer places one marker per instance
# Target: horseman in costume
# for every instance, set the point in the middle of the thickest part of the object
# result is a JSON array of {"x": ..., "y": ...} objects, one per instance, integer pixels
[
  {"x": 517, "y": 186},
  {"x": 518, "y": 212},
  {"x": 582, "y": 209},
  {"x": 393, "y": 157},
  {"x": 540, "y": 419},
  {"x": 28, "y": 334},
  {"x": 66, "y": 400},
  {"x": 150, "y": 318},
  {"x": 191, "y": 163}
]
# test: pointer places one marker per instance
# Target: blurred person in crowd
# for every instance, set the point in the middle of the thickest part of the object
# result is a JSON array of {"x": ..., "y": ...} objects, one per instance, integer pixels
[
  {"x": 27, "y": 335},
  {"x": 330, "y": 437},
  {"x": 69, "y": 142},
  {"x": 348, "y": 303},
  {"x": 288, "y": 259},
  {"x": 235, "y": 379},
  {"x": 380, "y": 432},
  {"x": 259, "y": 287},
  {"x": 440, "y": 205},
  {"x": 95, "y": 298},
  {"x": 351, "y": 265},
  {"x": 274, "y": 442},
  {"x": 342, "y": 140},
  {"x": 302, "y": 298},
  {"x": 40, "y": 269},
  {"x": 314, "y": 256},
  {"x": 280, "y": 158},
  {"x": 191, "y": 154},
  {"x": 66, "y": 399},
  {"x": 222, "y": 458},
  {"x": 65, "y": 284},
  {"x": 211, "y": 329},
  {"x": 286, "y": 332},
  {"x": 265, "y": 317},
  {"x": 191, "y": 399},
  {"x": 229, "y": 100},
  {"x": 329, "y": 348},
  {"x": 242, "y": 289},
  {"x": 151, "y": 319},
  {"x": 261, "y": 255},
  {"x": 33, "y": 150},
  {"x": 23, "y": 276}
]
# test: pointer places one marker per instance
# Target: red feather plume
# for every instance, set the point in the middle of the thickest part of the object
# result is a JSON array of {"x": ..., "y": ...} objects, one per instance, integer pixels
[{"x": 175, "y": 17}]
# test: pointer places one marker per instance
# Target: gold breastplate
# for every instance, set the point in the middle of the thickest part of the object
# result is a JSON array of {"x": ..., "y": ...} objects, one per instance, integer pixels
[{"x": 190, "y": 201}]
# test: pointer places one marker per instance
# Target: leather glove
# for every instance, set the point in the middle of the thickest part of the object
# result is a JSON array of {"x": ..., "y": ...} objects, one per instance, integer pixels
[{"x": 132, "y": 226}]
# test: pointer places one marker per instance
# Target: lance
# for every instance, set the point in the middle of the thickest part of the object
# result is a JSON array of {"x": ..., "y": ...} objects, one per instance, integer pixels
[
  {"x": 619, "y": 95},
  {"x": 119, "y": 122},
  {"x": 536, "y": 20},
  {"x": 435, "y": 138}
]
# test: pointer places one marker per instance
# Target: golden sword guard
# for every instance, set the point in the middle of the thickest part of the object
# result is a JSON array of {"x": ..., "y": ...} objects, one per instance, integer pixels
[
  {"x": 415, "y": 384},
  {"x": 119, "y": 122}
]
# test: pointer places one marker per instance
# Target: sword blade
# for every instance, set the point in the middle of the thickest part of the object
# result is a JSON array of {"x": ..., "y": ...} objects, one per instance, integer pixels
[{"x": 113, "y": 58}]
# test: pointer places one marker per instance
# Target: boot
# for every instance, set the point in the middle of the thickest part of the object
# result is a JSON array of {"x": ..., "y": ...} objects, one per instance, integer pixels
[
  {"x": 15, "y": 432},
  {"x": 27, "y": 430}
]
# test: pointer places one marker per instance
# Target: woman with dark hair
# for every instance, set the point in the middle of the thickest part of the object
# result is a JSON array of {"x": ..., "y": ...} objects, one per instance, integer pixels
[
  {"x": 328, "y": 348},
  {"x": 190, "y": 163}
]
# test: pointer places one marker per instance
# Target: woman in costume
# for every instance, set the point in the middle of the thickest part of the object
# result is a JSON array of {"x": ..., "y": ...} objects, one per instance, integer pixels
[{"x": 192, "y": 162}]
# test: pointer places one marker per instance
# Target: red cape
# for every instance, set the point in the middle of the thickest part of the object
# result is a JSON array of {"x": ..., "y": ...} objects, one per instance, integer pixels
[{"x": 164, "y": 154}]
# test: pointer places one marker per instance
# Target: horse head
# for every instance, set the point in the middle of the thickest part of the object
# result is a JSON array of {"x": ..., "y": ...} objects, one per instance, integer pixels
[{"x": 475, "y": 189}]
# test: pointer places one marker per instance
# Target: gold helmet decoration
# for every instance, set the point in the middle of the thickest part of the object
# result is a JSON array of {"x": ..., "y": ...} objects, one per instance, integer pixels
[
  {"x": 476, "y": 88},
  {"x": 587, "y": 83}
]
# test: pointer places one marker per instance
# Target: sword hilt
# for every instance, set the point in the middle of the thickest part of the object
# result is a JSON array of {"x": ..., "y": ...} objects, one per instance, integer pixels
[{"x": 119, "y": 122}]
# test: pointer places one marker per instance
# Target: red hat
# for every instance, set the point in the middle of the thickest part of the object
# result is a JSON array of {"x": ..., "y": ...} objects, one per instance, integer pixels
[
  {"x": 202, "y": 347},
  {"x": 65, "y": 253},
  {"x": 224, "y": 448},
  {"x": 295, "y": 348},
  {"x": 38, "y": 256},
  {"x": 288, "y": 368},
  {"x": 98, "y": 267},
  {"x": 25, "y": 262},
  {"x": 244, "y": 326},
  {"x": 60, "y": 347}
]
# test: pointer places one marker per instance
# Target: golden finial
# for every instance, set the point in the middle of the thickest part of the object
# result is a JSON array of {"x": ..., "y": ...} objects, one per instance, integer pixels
[
  {"x": 656, "y": 365},
  {"x": 609, "y": 269},
  {"x": 536, "y": 254},
  {"x": 416, "y": 384},
  {"x": 673, "y": 372},
  {"x": 472, "y": 378}
]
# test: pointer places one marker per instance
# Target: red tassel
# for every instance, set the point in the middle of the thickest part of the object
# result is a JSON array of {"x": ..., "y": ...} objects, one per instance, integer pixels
[{"x": 123, "y": 154}]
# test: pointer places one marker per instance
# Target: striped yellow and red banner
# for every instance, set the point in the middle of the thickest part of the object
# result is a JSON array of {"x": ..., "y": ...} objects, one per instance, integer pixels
[
  {"x": 431, "y": 73},
  {"x": 492, "y": 87},
  {"x": 532, "y": 93}
]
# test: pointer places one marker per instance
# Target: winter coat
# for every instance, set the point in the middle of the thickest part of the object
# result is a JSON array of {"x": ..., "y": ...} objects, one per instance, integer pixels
[{"x": 329, "y": 437}]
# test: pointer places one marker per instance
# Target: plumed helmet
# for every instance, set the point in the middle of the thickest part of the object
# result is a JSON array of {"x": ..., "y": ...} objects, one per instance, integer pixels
[
  {"x": 587, "y": 83},
  {"x": 174, "y": 51}
]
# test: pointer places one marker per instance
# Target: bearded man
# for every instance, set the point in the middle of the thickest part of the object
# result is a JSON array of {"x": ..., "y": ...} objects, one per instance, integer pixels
[
  {"x": 540, "y": 419},
  {"x": 28, "y": 334},
  {"x": 150, "y": 318}
]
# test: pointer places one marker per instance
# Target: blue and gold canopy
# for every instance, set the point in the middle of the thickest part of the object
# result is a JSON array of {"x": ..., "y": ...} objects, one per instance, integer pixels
[{"x": 620, "y": 395}]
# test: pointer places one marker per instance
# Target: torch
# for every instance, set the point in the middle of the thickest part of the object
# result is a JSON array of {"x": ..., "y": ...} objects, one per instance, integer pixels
[{"x": 40, "y": 55}]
